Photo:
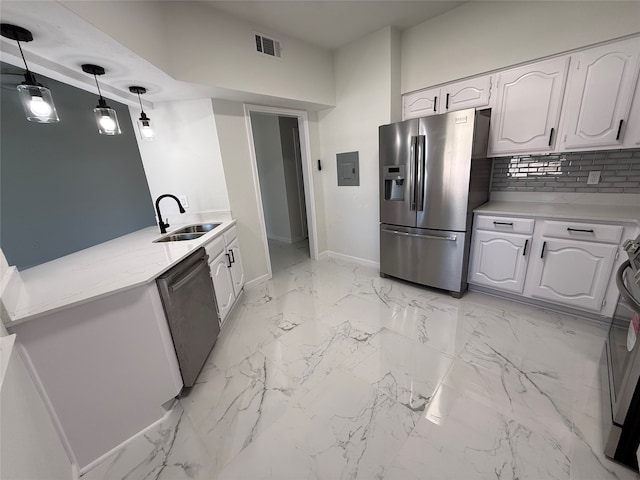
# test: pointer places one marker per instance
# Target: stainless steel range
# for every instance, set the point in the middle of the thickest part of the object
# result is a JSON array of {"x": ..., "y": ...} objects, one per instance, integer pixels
[{"x": 620, "y": 366}]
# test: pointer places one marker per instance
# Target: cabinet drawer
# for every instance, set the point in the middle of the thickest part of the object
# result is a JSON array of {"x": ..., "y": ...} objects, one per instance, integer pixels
[
  {"x": 215, "y": 248},
  {"x": 582, "y": 231},
  {"x": 230, "y": 235},
  {"x": 504, "y": 224}
]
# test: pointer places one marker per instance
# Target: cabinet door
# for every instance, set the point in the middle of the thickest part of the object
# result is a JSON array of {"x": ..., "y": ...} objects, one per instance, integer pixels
[
  {"x": 221, "y": 275},
  {"x": 474, "y": 93},
  {"x": 527, "y": 111},
  {"x": 599, "y": 93},
  {"x": 420, "y": 104},
  {"x": 632, "y": 130},
  {"x": 572, "y": 273},
  {"x": 237, "y": 272},
  {"x": 499, "y": 260}
]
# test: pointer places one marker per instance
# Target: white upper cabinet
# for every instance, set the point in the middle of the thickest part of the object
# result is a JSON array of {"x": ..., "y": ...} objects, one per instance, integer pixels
[
  {"x": 632, "y": 130},
  {"x": 420, "y": 104},
  {"x": 473, "y": 93},
  {"x": 599, "y": 92},
  {"x": 527, "y": 112}
]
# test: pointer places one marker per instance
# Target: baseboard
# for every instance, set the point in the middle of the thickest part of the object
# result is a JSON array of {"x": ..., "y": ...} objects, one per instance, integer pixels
[
  {"x": 280, "y": 239},
  {"x": 593, "y": 318},
  {"x": 349, "y": 258},
  {"x": 258, "y": 281}
]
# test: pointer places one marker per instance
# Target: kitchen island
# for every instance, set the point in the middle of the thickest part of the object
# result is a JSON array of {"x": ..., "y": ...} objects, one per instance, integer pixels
[{"x": 92, "y": 330}]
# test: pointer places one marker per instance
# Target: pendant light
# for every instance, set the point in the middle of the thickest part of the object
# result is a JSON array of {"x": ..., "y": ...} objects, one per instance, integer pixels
[
  {"x": 106, "y": 117},
  {"x": 144, "y": 122},
  {"x": 36, "y": 98}
]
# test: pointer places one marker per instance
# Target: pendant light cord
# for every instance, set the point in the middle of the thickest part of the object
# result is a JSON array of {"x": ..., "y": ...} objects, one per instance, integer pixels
[
  {"x": 22, "y": 54},
  {"x": 95, "y": 77},
  {"x": 140, "y": 100}
]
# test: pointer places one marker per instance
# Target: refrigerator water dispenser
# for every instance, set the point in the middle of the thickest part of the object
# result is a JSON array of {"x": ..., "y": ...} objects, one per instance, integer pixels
[{"x": 394, "y": 176}]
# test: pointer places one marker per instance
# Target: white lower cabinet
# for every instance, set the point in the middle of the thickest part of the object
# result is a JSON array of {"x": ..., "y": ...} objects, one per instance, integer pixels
[
  {"x": 574, "y": 273},
  {"x": 566, "y": 263},
  {"x": 221, "y": 276},
  {"x": 499, "y": 260},
  {"x": 225, "y": 263}
]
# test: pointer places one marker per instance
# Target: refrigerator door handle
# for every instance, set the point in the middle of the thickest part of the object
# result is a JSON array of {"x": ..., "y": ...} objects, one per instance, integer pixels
[
  {"x": 450, "y": 238},
  {"x": 412, "y": 173},
  {"x": 421, "y": 173}
]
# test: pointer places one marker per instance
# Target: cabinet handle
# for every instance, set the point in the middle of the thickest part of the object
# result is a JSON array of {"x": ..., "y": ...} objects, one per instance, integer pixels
[
  {"x": 569, "y": 229},
  {"x": 233, "y": 258},
  {"x": 551, "y": 135},
  {"x": 228, "y": 260},
  {"x": 447, "y": 104},
  {"x": 524, "y": 252},
  {"x": 542, "y": 253},
  {"x": 619, "y": 130},
  {"x": 435, "y": 102},
  {"x": 504, "y": 223}
]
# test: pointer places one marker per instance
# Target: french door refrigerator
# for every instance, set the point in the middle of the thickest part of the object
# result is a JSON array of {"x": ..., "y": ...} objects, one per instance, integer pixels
[{"x": 433, "y": 173}]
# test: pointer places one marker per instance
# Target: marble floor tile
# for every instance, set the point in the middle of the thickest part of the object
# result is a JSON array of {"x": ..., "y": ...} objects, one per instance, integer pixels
[
  {"x": 459, "y": 438},
  {"x": 329, "y": 371},
  {"x": 348, "y": 429},
  {"x": 284, "y": 255}
]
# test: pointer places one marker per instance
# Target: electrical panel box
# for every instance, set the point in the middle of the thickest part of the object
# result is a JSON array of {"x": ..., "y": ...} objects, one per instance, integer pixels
[{"x": 348, "y": 169}]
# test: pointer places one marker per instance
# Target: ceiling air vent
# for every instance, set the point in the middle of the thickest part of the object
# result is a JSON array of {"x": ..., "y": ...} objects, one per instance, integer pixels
[{"x": 267, "y": 46}]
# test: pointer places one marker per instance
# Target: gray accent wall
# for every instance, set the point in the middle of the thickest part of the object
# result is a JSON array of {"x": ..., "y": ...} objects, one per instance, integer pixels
[
  {"x": 64, "y": 187},
  {"x": 568, "y": 172}
]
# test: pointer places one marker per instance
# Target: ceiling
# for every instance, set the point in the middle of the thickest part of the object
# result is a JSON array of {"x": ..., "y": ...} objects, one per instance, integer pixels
[
  {"x": 331, "y": 24},
  {"x": 58, "y": 54}
]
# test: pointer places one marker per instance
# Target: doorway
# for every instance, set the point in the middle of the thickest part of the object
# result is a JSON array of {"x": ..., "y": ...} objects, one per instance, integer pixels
[{"x": 283, "y": 184}]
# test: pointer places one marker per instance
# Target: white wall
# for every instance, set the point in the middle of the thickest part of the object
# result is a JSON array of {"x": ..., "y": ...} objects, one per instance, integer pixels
[
  {"x": 184, "y": 157},
  {"x": 482, "y": 36},
  {"x": 273, "y": 188},
  {"x": 211, "y": 47},
  {"x": 30, "y": 447},
  {"x": 236, "y": 159},
  {"x": 363, "y": 102}
]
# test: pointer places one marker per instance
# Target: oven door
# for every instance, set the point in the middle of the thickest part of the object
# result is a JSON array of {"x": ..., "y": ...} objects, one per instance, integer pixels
[{"x": 624, "y": 356}]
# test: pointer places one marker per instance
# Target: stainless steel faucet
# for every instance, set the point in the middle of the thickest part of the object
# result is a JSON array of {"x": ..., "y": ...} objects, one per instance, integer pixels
[{"x": 163, "y": 226}]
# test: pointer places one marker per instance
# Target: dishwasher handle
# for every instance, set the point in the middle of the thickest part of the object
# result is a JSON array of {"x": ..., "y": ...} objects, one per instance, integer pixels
[
  {"x": 176, "y": 285},
  {"x": 622, "y": 288}
]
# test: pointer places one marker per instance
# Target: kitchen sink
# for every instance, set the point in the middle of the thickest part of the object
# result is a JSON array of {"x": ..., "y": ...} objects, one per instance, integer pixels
[
  {"x": 200, "y": 228},
  {"x": 179, "y": 237}
]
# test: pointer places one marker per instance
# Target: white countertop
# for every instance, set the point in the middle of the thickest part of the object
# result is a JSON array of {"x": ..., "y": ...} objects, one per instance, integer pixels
[
  {"x": 101, "y": 270},
  {"x": 577, "y": 211}
]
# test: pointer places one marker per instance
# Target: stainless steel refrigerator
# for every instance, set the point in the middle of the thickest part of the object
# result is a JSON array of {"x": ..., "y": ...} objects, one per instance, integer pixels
[{"x": 433, "y": 173}]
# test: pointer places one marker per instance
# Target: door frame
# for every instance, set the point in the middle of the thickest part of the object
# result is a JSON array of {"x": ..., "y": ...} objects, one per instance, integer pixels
[{"x": 307, "y": 170}]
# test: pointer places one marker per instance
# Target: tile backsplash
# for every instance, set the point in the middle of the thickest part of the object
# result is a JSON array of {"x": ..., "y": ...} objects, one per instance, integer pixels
[{"x": 568, "y": 172}]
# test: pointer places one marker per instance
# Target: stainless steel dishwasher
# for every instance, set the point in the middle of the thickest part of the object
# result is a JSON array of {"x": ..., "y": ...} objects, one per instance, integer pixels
[{"x": 189, "y": 303}]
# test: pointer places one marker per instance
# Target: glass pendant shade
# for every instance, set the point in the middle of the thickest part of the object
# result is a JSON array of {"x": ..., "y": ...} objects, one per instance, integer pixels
[
  {"x": 107, "y": 120},
  {"x": 144, "y": 124},
  {"x": 38, "y": 103}
]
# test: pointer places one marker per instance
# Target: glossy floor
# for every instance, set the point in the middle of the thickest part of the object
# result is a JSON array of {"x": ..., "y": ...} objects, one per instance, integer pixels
[{"x": 330, "y": 372}]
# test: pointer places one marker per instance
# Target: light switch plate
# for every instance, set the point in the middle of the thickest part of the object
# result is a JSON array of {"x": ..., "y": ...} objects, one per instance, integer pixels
[
  {"x": 184, "y": 200},
  {"x": 594, "y": 177}
]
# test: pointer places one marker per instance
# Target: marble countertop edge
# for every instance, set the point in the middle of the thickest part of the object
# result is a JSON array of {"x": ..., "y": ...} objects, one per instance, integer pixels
[
  {"x": 100, "y": 271},
  {"x": 569, "y": 211}
]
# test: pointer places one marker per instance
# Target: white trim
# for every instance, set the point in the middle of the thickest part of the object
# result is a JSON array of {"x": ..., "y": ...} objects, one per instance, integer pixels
[
  {"x": 307, "y": 171},
  {"x": 349, "y": 258},
  {"x": 257, "y": 281}
]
